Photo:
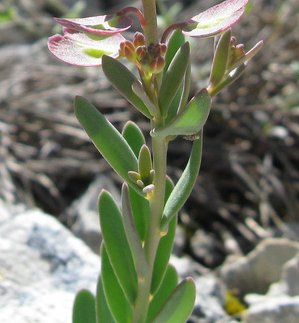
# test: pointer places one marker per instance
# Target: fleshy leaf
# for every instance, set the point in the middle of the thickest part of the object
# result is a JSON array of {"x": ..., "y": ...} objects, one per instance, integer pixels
[
  {"x": 79, "y": 49},
  {"x": 165, "y": 247},
  {"x": 102, "y": 308},
  {"x": 115, "y": 297},
  {"x": 173, "y": 77},
  {"x": 141, "y": 212},
  {"x": 179, "y": 305},
  {"x": 122, "y": 79},
  {"x": 117, "y": 246},
  {"x": 168, "y": 284},
  {"x": 176, "y": 40},
  {"x": 84, "y": 310},
  {"x": 220, "y": 58},
  {"x": 132, "y": 233},
  {"x": 98, "y": 25},
  {"x": 134, "y": 136},
  {"x": 104, "y": 135},
  {"x": 184, "y": 186},
  {"x": 191, "y": 119},
  {"x": 216, "y": 19},
  {"x": 145, "y": 164}
]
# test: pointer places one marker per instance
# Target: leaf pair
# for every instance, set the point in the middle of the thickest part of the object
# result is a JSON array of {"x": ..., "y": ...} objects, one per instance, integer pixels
[{"x": 181, "y": 118}]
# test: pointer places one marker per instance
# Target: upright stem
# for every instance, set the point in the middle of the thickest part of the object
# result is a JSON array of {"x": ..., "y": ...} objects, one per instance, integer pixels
[
  {"x": 150, "y": 28},
  {"x": 159, "y": 151}
]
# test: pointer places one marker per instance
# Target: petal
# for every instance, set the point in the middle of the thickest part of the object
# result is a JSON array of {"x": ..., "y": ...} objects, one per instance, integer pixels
[
  {"x": 216, "y": 19},
  {"x": 79, "y": 49},
  {"x": 99, "y": 25}
]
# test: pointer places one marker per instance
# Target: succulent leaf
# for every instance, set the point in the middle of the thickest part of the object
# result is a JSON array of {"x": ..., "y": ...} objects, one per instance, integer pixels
[
  {"x": 84, "y": 310},
  {"x": 178, "y": 307},
  {"x": 117, "y": 246},
  {"x": 191, "y": 120},
  {"x": 115, "y": 297}
]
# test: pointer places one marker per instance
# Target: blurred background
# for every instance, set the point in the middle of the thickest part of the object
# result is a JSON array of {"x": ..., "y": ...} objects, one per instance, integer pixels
[{"x": 248, "y": 186}]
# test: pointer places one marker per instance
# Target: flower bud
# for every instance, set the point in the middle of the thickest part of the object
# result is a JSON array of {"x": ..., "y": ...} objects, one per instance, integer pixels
[
  {"x": 157, "y": 65},
  {"x": 127, "y": 50},
  {"x": 139, "y": 39}
]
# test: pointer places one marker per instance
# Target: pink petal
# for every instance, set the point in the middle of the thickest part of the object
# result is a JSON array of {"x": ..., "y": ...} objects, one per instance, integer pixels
[
  {"x": 99, "y": 25},
  {"x": 79, "y": 49},
  {"x": 216, "y": 19}
]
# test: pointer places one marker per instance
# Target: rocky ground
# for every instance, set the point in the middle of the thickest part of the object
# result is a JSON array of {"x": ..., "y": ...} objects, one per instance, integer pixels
[{"x": 246, "y": 194}]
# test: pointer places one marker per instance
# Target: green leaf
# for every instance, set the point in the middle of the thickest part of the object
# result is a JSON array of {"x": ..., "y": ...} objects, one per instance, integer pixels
[
  {"x": 84, "y": 310},
  {"x": 184, "y": 186},
  {"x": 173, "y": 77},
  {"x": 117, "y": 245},
  {"x": 231, "y": 77},
  {"x": 107, "y": 139},
  {"x": 221, "y": 58},
  {"x": 179, "y": 305},
  {"x": 145, "y": 165},
  {"x": 115, "y": 297},
  {"x": 167, "y": 286},
  {"x": 102, "y": 309},
  {"x": 191, "y": 120},
  {"x": 176, "y": 40},
  {"x": 132, "y": 234},
  {"x": 141, "y": 213},
  {"x": 164, "y": 248},
  {"x": 134, "y": 136},
  {"x": 122, "y": 79}
]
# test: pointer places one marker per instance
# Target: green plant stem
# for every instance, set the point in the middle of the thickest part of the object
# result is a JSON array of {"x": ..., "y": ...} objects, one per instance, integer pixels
[
  {"x": 159, "y": 149},
  {"x": 150, "y": 15}
]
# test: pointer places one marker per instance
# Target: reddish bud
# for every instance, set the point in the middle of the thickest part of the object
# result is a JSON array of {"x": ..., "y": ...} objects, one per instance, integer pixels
[
  {"x": 157, "y": 65},
  {"x": 127, "y": 50},
  {"x": 139, "y": 39},
  {"x": 141, "y": 52}
]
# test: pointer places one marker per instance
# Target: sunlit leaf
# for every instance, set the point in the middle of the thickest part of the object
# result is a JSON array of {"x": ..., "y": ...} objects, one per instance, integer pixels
[
  {"x": 167, "y": 286},
  {"x": 105, "y": 136},
  {"x": 220, "y": 58},
  {"x": 102, "y": 308},
  {"x": 191, "y": 120},
  {"x": 178, "y": 307},
  {"x": 184, "y": 186},
  {"x": 122, "y": 79},
  {"x": 116, "y": 245},
  {"x": 84, "y": 310},
  {"x": 116, "y": 300},
  {"x": 173, "y": 77},
  {"x": 134, "y": 136},
  {"x": 165, "y": 247}
]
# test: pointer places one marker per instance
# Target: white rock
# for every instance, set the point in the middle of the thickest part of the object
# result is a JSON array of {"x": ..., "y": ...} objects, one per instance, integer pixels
[
  {"x": 290, "y": 276},
  {"x": 283, "y": 309},
  {"x": 260, "y": 268},
  {"x": 42, "y": 266}
]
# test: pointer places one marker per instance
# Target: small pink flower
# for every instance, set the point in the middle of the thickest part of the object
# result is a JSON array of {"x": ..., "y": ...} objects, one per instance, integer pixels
[
  {"x": 99, "y": 25},
  {"x": 80, "y": 49},
  {"x": 216, "y": 19}
]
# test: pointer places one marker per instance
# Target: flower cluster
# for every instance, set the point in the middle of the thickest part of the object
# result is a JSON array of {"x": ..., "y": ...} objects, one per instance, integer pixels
[{"x": 86, "y": 40}]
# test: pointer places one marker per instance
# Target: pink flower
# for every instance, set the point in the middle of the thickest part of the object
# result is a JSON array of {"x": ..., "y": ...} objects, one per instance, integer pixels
[
  {"x": 216, "y": 19},
  {"x": 81, "y": 49}
]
